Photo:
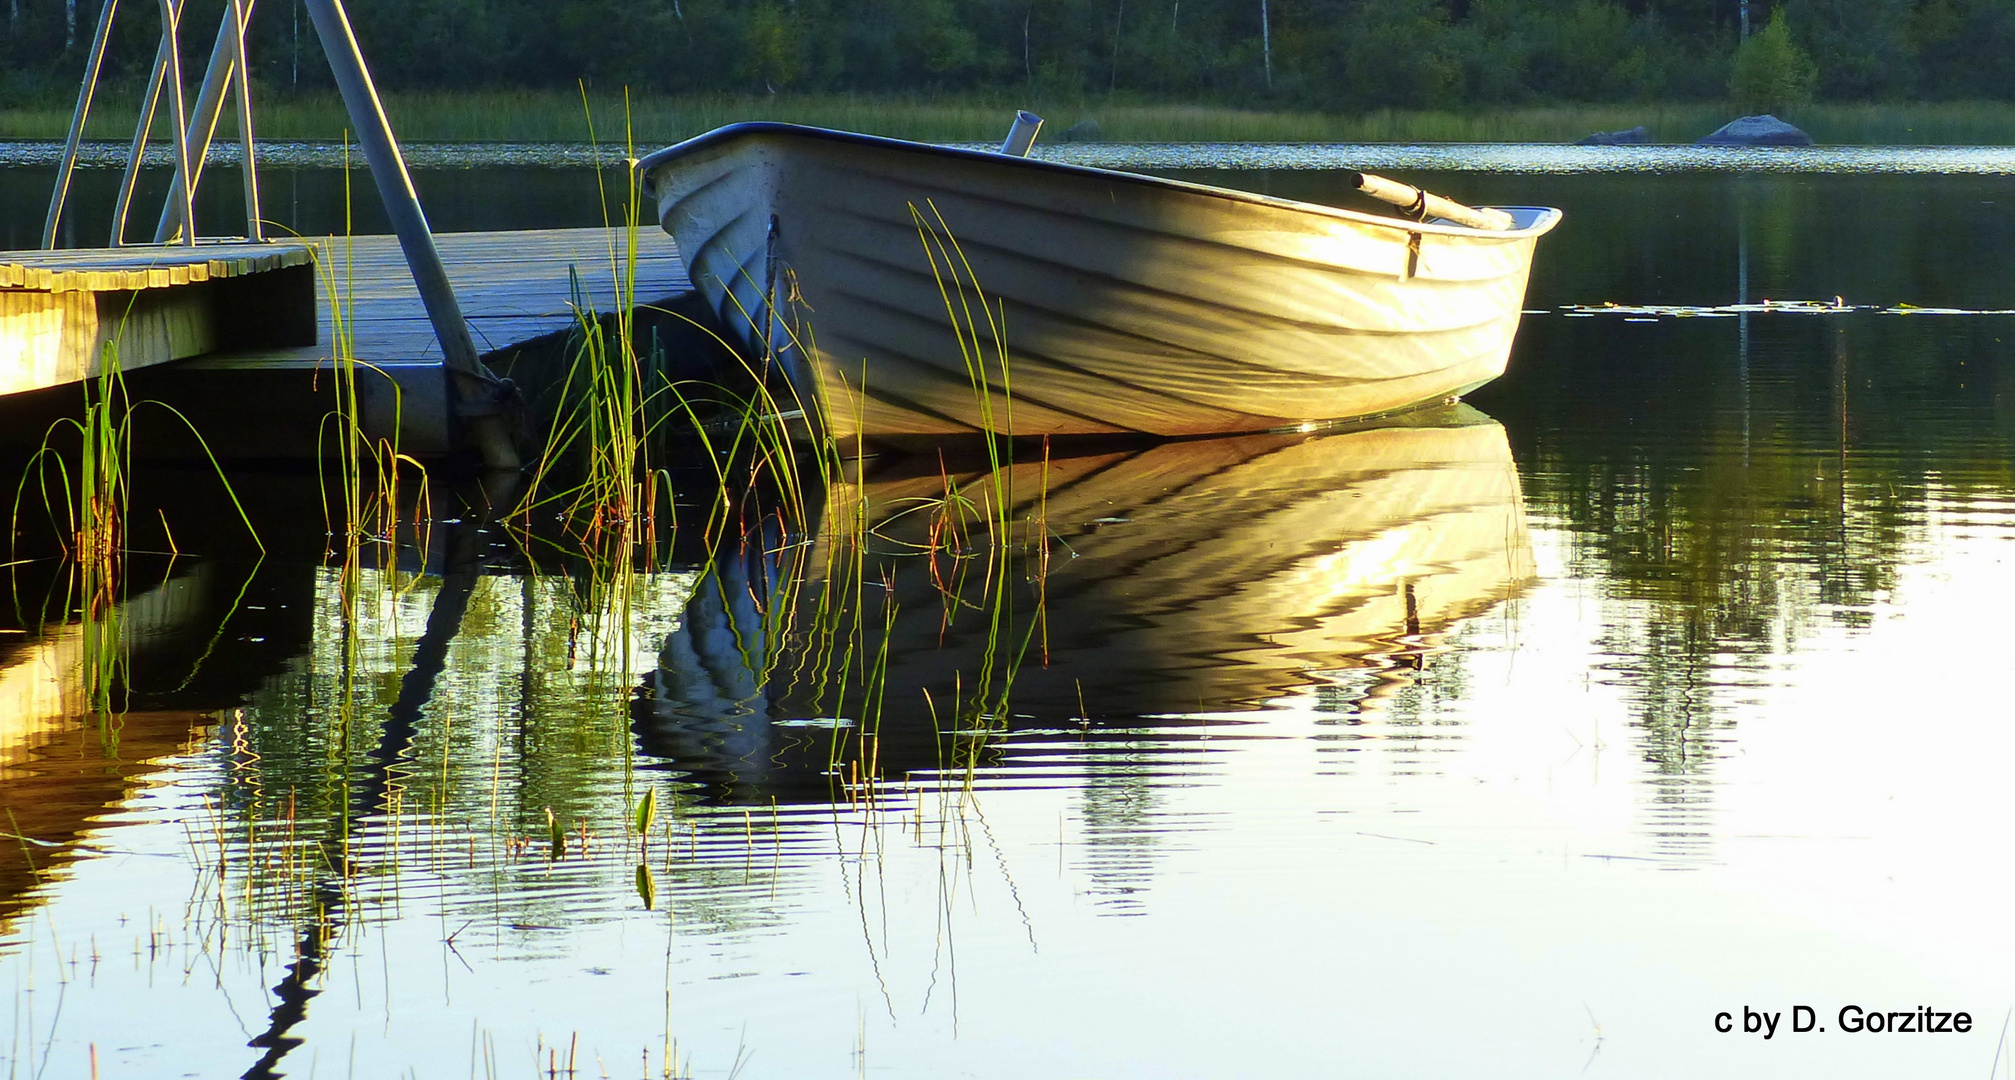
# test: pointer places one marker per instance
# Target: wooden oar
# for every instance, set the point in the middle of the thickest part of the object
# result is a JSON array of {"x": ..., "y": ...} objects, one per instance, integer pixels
[{"x": 1421, "y": 205}]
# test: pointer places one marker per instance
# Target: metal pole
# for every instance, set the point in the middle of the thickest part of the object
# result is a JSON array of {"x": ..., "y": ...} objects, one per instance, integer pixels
[
  {"x": 476, "y": 390},
  {"x": 203, "y": 119},
  {"x": 77, "y": 119},
  {"x": 170, "y": 27},
  {"x": 242, "y": 12},
  {"x": 139, "y": 150}
]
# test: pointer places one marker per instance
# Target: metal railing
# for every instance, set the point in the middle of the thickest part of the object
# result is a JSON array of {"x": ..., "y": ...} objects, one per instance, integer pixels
[
  {"x": 227, "y": 72},
  {"x": 480, "y": 397}
]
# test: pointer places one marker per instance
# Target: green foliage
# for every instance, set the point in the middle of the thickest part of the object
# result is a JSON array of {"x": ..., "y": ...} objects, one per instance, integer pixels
[
  {"x": 1771, "y": 72},
  {"x": 555, "y": 116},
  {"x": 1866, "y": 44},
  {"x": 774, "y": 47},
  {"x": 1334, "y": 55},
  {"x": 1964, "y": 48},
  {"x": 1591, "y": 50}
]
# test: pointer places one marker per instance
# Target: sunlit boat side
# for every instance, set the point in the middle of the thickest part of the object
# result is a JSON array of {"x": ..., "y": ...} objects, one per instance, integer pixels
[{"x": 1128, "y": 303}]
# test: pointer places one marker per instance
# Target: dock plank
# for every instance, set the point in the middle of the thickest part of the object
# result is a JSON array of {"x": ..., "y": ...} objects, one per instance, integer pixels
[
  {"x": 516, "y": 289},
  {"x": 142, "y": 266},
  {"x": 513, "y": 287}
]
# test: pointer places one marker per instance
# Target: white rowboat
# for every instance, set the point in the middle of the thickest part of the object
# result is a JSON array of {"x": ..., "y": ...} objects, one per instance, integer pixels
[{"x": 890, "y": 279}]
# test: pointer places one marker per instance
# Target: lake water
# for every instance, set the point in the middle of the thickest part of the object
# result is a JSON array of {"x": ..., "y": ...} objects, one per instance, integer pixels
[{"x": 1666, "y": 678}]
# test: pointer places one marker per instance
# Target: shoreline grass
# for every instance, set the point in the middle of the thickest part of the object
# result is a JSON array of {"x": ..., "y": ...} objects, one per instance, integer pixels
[{"x": 556, "y": 116}]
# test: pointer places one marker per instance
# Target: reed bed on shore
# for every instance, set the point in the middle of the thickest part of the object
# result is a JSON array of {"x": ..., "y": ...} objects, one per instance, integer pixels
[{"x": 554, "y": 116}]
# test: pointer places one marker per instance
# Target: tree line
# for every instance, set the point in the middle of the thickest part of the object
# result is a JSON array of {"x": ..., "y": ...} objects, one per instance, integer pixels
[{"x": 1319, "y": 54}]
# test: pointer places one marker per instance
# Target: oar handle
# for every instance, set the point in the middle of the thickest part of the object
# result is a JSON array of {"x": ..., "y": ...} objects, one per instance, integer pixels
[{"x": 1421, "y": 205}]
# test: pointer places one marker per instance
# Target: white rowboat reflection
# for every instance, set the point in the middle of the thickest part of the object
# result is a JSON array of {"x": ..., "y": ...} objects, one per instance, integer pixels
[{"x": 1188, "y": 577}]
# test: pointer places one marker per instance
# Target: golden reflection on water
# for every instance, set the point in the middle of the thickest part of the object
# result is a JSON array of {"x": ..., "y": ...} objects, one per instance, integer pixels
[
  {"x": 64, "y": 767},
  {"x": 1177, "y": 577}
]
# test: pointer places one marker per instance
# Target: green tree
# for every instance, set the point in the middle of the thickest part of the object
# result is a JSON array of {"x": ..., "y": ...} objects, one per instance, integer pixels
[
  {"x": 1771, "y": 72},
  {"x": 1866, "y": 44},
  {"x": 774, "y": 50},
  {"x": 1964, "y": 48}
]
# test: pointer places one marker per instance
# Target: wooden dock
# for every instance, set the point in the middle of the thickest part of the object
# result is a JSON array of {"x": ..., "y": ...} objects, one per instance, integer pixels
[
  {"x": 65, "y": 314},
  {"x": 262, "y": 393}
]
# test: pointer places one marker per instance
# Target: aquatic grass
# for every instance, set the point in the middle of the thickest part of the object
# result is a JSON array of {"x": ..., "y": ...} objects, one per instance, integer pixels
[
  {"x": 609, "y": 504},
  {"x": 809, "y": 619},
  {"x": 368, "y": 505},
  {"x": 596, "y": 476},
  {"x": 605, "y": 401},
  {"x": 838, "y": 636},
  {"x": 980, "y": 330},
  {"x": 89, "y": 507}
]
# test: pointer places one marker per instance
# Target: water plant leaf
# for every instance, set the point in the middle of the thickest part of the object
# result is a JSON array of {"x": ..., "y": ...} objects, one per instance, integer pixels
[
  {"x": 557, "y": 835},
  {"x": 647, "y": 809},
  {"x": 647, "y": 887}
]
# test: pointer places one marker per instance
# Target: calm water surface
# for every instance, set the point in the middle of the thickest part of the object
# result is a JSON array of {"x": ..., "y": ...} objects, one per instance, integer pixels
[{"x": 1513, "y": 740}]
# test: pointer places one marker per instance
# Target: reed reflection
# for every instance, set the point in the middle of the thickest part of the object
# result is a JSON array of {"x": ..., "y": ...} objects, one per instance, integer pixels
[{"x": 1173, "y": 580}]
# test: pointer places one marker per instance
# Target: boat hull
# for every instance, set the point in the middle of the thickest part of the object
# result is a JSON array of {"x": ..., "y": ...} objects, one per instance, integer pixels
[{"x": 912, "y": 291}]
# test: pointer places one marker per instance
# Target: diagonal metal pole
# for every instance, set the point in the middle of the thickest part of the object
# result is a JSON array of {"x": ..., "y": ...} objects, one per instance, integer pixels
[
  {"x": 77, "y": 119},
  {"x": 131, "y": 178},
  {"x": 171, "y": 27},
  {"x": 202, "y": 128},
  {"x": 203, "y": 119},
  {"x": 478, "y": 393},
  {"x": 241, "y": 18}
]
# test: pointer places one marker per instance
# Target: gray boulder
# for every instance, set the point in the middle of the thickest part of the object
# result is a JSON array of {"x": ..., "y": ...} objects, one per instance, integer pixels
[
  {"x": 1085, "y": 130},
  {"x": 1763, "y": 130},
  {"x": 1636, "y": 136}
]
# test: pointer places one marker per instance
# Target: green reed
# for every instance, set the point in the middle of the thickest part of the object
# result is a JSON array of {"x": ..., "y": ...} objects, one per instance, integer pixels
[
  {"x": 980, "y": 328},
  {"x": 830, "y": 623},
  {"x": 596, "y": 476},
  {"x": 826, "y": 617},
  {"x": 601, "y": 439},
  {"x": 367, "y": 501},
  {"x": 367, "y": 505},
  {"x": 833, "y": 641},
  {"x": 89, "y": 504}
]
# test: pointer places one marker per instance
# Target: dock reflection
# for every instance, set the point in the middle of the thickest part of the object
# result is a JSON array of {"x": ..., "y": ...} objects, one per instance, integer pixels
[{"x": 64, "y": 767}]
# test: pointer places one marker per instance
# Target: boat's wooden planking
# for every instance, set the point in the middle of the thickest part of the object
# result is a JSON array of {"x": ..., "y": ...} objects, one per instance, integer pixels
[{"x": 1130, "y": 305}]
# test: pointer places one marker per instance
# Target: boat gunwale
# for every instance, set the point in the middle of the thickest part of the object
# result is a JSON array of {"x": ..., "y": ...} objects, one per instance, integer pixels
[{"x": 1546, "y": 219}]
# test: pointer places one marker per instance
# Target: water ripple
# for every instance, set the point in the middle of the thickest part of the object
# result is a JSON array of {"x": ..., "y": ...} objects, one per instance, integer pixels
[{"x": 1540, "y": 157}]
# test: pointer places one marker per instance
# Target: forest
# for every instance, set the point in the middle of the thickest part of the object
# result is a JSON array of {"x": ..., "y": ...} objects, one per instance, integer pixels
[{"x": 1278, "y": 54}]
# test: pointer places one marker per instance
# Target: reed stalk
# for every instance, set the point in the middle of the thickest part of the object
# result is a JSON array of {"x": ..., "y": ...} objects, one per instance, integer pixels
[
  {"x": 89, "y": 505},
  {"x": 367, "y": 502}
]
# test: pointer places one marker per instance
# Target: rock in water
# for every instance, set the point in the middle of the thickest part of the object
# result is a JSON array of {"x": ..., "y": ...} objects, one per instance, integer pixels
[
  {"x": 1763, "y": 130},
  {"x": 1085, "y": 130},
  {"x": 1636, "y": 136}
]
